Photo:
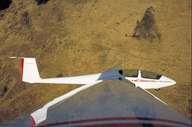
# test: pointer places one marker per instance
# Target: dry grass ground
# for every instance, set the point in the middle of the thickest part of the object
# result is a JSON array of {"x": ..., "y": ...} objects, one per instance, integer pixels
[{"x": 72, "y": 37}]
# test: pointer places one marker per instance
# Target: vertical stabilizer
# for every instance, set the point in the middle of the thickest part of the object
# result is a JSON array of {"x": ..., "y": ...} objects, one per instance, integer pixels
[{"x": 29, "y": 70}]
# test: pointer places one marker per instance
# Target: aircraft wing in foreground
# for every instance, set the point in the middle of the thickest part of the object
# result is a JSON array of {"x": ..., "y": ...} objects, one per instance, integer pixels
[{"x": 111, "y": 103}]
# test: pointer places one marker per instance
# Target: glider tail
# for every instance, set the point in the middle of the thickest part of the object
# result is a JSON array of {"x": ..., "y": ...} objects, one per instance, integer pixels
[{"x": 29, "y": 70}]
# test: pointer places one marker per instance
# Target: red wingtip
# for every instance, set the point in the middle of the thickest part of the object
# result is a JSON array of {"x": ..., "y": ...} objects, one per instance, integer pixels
[
  {"x": 33, "y": 122},
  {"x": 22, "y": 65}
]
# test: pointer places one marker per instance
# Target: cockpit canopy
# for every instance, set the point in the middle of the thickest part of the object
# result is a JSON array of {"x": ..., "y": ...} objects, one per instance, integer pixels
[{"x": 144, "y": 74}]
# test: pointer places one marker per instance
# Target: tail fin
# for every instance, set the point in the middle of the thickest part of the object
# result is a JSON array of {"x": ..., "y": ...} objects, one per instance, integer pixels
[{"x": 29, "y": 70}]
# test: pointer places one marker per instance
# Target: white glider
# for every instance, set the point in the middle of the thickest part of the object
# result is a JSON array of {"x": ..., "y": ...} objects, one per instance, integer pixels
[{"x": 30, "y": 74}]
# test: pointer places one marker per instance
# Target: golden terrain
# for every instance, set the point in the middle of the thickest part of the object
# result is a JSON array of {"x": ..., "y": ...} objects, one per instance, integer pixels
[{"x": 72, "y": 37}]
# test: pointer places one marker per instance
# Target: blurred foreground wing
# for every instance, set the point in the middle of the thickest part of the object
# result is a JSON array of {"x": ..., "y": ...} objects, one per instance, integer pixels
[
  {"x": 108, "y": 103},
  {"x": 40, "y": 115}
]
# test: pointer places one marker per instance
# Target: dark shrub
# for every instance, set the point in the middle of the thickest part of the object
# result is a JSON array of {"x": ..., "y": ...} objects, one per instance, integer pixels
[
  {"x": 25, "y": 19},
  {"x": 39, "y": 2},
  {"x": 146, "y": 28},
  {"x": 3, "y": 91},
  {"x": 4, "y": 4}
]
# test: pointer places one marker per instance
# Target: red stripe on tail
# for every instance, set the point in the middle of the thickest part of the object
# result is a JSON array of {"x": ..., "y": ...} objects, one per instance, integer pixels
[
  {"x": 22, "y": 65},
  {"x": 33, "y": 122}
]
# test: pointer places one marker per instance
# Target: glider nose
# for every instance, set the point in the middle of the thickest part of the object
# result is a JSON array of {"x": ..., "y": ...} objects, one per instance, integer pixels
[
  {"x": 169, "y": 81},
  {"x": 173, "y": 82}
]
